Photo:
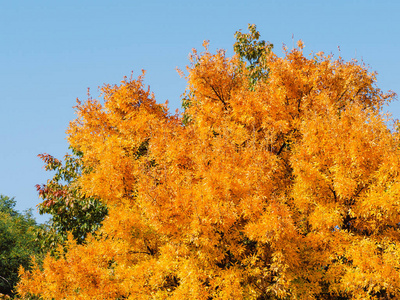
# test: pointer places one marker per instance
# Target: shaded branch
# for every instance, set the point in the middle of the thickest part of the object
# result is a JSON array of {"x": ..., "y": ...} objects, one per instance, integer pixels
[
  {"x": 220, "y": 97},
  {"x": 333, "y": 192},
  {"x": 281, "y": 148}
]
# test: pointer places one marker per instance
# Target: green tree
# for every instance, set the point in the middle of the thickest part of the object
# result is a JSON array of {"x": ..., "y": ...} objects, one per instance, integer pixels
[
  {"x": 17, "y": 242},
  {"x": 253, "y": 52},
  {"x": 71, "y": 210}
]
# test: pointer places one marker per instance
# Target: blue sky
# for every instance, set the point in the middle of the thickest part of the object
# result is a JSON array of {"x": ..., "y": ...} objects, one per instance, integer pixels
[{"x": 52, "y": 51}]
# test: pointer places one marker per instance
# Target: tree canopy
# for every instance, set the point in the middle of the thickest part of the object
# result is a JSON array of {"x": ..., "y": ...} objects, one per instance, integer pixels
[
  {"x": 284, "y": 186},
  {"x": 17, "y": 243}
]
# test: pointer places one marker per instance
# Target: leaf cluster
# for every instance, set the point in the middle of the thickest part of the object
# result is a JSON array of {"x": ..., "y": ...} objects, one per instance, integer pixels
[
  {"x": 71, "y": 211},
  {"x": 255, "y": 52}
]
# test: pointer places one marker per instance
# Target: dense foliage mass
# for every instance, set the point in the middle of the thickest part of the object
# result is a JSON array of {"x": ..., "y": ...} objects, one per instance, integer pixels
[
  {"x": 17, "y": 243},
  {"x": 280, "y": 182},
  {"x": 71, "y": 211}
]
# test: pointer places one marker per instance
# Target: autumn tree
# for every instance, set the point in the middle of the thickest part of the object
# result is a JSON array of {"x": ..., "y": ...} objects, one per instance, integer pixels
[{"x": 280, "y": 188}]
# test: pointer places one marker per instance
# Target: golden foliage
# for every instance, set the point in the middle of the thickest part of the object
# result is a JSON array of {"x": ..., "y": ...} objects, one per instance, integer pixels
[{"x": 285, "y": 190}]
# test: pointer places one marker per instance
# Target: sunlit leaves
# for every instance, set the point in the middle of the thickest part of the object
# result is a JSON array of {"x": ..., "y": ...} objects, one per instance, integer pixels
[{"x": 284, "y": 187}]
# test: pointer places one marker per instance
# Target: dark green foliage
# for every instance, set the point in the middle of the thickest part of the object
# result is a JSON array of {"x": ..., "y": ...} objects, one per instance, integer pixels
[
  {"x": 71, "y": 211},
  {"x": 17, "y": 242},
  {"x": 185, "y": 105},
  {"x": 250, "y": 49}
]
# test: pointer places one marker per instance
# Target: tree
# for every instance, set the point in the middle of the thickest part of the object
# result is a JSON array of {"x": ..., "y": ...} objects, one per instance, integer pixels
[
  {"x": 280, "y": 188},
  {"x": 71, "y": 211},
  {"x": 17, "y": 243}
]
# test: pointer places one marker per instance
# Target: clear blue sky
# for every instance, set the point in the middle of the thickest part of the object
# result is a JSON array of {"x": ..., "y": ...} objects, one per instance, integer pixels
[{"x": 52, "y": 51}]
